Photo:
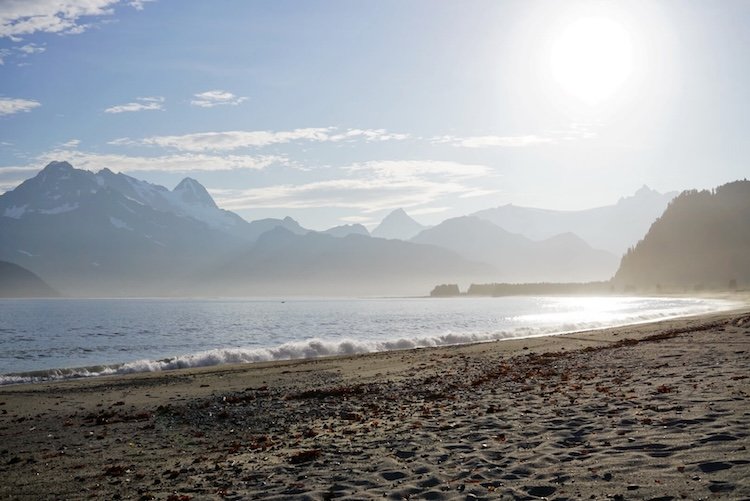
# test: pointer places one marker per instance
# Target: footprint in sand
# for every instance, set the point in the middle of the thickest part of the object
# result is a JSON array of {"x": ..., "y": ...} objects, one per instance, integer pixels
[
  {"x": 713, "y": 466},
  {"x": 393, "y": 475}
]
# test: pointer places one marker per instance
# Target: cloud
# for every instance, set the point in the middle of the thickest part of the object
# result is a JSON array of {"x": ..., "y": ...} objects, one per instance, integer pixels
[
  {"x": 369, "y": 187},
  {"x": 140, "y": 104},
  {"x": 24, "y": 17},
  {"x": 12, "y": 176},
  {"x": 493, "y": 141},
  {"x": 233, "y": 140},
  {"x": 31, "y": 48},
  {"x": 212, "y": 98},
  {"x": 172, "y": 163},
  {"x": 356, "y": 219},
  {"x": 411, "y": 169},
  {"x": 371, "y": 135},
  {"x": 575, "y": 131},
  {"x": 9, "y": 106},
  {"x": 138, "y": 4},
  {"x": 73, "y": 143},
  {"x": 19, "y": 52}
]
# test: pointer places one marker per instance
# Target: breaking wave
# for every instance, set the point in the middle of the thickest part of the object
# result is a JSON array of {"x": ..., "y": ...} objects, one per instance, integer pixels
[{"x": 315, "y": 348}]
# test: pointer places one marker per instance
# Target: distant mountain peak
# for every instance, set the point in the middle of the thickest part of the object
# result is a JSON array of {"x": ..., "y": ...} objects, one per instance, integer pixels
[
  {"x": 192, "y": 192},
  {"x": 347, "y": 229},
  {"x": 646, "y": 193},
  {"x": 57, "y": 166},
  {"x": 398, "y": 224}
]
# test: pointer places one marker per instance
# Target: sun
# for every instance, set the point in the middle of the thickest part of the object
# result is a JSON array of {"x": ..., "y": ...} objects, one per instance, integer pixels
[{"x": 592, "y": 58}]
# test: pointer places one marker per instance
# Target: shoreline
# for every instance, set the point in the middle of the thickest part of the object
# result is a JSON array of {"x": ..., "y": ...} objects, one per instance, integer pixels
[
  {"x": 329, "y": 348},
  {"x": 636, "y": 411}
]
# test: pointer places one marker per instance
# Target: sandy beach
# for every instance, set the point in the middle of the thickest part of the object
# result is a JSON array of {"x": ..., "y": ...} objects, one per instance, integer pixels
[{"x": 651, "y": 411}]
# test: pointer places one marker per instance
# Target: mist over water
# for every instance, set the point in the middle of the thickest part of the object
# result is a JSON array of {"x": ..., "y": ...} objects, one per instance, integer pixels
[{"x": 87, "y": 337}]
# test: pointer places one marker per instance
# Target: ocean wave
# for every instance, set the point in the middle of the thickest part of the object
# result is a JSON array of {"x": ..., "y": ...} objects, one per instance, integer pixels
[{"x": 315, "y": 348}]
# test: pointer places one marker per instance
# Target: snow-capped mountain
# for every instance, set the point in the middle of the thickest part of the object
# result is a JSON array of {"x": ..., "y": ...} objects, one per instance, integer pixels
[
  {"x": 107, "y": 234},
  {"x": 59, "y": 186},
  {"x": 189, "y": 198},
  {"x": 104, "y": 233}
]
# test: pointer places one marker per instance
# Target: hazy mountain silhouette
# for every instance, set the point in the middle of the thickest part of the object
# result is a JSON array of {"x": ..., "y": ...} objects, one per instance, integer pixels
[
  {"x": 111, "y": 234},
  {"x": 398, "y": 224},
  {"x": 75, "y": 229},
  {"x": 562, "y": 258},
  {"x": 282, "y": 262},
  {"x": 261, "y": 226},
  {"x": 613, "y": 228},
  {"x": 702, "y": 239},
  {"x": 346, "y": 230},
  {"x": 16, "y": 281}
]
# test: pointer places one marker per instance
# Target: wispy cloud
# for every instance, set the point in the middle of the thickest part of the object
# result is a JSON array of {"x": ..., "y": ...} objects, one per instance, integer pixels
[
  {"x": 370, "y": 135},
  {"x": 25, "y": 17},
  {"x": 233, "y": 140},
  {"x": 73, "y": 143},
  {"x": 493, "y": 141},
  {"x": 9, "y": 106},
  {"x": 369, "y": 187},
  {"x": 31, "y": 48},
  {"x": 139, "y": 4},
  {"x": 212, "y": 98},
  {"x": 574, "y": 131},
  {"x": 20, "y": 52},
  {"x": 12, "y": 176},
  {"x": 140, "y": 104},
  {"x": 187, "y": 162}
]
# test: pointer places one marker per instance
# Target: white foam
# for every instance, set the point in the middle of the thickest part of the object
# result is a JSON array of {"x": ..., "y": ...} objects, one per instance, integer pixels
[{"x": 315, "y": 348}]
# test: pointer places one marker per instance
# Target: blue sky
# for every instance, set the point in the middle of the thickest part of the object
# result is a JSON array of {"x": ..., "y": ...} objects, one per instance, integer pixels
[{"x": 336, "y": 112}]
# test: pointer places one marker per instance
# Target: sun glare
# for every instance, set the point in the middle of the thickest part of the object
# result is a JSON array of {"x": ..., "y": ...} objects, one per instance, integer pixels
[{"x": 592, "y": 58}]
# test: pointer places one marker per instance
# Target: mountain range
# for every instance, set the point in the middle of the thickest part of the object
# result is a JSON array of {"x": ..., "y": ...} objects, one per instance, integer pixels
[
  {"x": 701, "y": 241},
  {"x": 94, "y": 234},
  {"x": 106, "y": 233},
  {"x": 613, "y": 228},
  {"x": 561, "y": 258}
]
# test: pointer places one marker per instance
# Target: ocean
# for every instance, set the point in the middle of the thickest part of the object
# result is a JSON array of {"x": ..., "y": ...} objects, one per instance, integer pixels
[{"x": 44, "y": 339}]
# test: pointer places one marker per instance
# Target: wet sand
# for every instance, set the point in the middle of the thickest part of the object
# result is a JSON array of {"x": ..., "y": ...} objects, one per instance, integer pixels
[{"x": 658, "y": 410}]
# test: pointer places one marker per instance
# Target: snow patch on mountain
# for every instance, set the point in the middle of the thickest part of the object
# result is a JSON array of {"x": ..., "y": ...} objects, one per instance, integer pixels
[
  {"x": 119, "y": 224},
  {"x": 60, "y": 209},
  {"x": 15, "y": 212}
]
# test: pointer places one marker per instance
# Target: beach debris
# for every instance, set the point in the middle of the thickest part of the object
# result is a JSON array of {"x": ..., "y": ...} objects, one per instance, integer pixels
[
  {"x": 305, "y": 456},
  {"x": 115, "y": 471},
  {"x": 335, "y": 392}
]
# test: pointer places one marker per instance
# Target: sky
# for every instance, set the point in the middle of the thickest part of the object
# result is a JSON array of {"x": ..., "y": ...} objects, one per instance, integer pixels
[{"x": 337, "y": 111}]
